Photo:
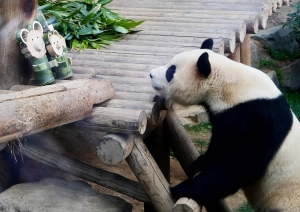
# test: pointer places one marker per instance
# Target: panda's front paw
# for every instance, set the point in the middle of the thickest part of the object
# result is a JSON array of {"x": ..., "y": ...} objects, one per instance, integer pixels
[{"x": 182, "y": 190}]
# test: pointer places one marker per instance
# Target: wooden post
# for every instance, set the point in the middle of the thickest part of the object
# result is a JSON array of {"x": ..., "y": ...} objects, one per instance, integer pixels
[
  {"x": 159, "y": 147},
  {"x": 186, "y": 153},
  {"x": 14, "y": 15},
  {"x": 236, "y": 55},
  {"x": 246, "y": 51},
  {"x": 34, "y": 110},
  {"x": 150, "y": 176}
]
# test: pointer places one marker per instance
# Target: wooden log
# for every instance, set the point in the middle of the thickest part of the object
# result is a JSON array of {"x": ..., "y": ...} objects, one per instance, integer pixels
[
  {"x": 263, "y": 20},
  {"x": 137, "y": 71},
  {"x": 236, "y": 55},
  {"x": 142, "y": 97},
  {"x": 158, "y": 145},
  {"x": 43, "y": 108},
  {"x": 150, "y": 176},
  {"x": 116, "y": 79},
  {"x": 145, "y": 97},
  {"x": 120, "y": 67},
  {"x": 151, "y": 109},
  {"x": 181, "y": 143},
  {"x": 234, "y": 6},
  {"x": 246, "y": 51},
  {"x": 186, "y": 153},
  {"x": 187, "y": 205},
  {"x": 5, "y": 91},
  {"x": 14, "y": 15},
  {"x": 87, "y": 172},
  {"x": 115, "y": 120},
  {"x": 112, "y": 149},
  {"x": 130, "y": 119},
  {"x": 252, "y": 25},
  {"x": 114, "y": 57}
]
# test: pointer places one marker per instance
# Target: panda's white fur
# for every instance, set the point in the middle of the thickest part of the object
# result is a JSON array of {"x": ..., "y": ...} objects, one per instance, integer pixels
[{"x": 228, "y": 85}]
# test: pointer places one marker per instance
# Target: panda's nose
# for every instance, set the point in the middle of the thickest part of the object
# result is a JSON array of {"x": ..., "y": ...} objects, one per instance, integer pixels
[{"x": 151, "y": 75}]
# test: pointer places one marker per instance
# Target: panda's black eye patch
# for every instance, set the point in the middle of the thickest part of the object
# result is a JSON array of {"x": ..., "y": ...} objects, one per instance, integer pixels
[{"x": 170, "y": 72}]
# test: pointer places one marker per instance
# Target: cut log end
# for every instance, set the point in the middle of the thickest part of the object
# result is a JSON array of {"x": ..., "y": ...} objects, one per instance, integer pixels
[
  {"x": 142, "y": 123},
  {"x": 112, "y": 149},
  {"x": 187, "y": 205},
  {"x": 230, "y": 43},
  {"x": 263, "y": 20},
  {"x": 220, "y": 48}
]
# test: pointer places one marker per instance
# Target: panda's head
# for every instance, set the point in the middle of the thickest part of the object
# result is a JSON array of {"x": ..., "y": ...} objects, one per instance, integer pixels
[{"x": 184, "y": 78}]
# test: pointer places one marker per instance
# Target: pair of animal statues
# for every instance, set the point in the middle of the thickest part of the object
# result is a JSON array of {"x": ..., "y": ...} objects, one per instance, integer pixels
[{"x": 255, "y": 142}]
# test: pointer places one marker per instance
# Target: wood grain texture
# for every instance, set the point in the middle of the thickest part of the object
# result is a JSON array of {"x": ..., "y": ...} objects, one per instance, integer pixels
[
  {"x": 186, "y": 153},
  {"x": 87, "y": 172},
  {"x": 41, "y": 108},
  {"x": 112, "y": 149},
  {"x": 186, "y": 205},
  {"x": 150, "y": 177}
]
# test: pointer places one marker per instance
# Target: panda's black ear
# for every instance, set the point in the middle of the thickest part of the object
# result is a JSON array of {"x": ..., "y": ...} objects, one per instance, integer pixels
[
  {"x": 203, "y": 65},
  {"x": 207, "y": 44}
]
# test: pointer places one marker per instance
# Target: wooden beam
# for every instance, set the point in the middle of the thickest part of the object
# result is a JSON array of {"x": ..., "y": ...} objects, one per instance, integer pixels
[
  {"x": 42, "y": 108},
  {"x": 186, "y": 153},
  {"x": 87, "y": 172},
  {"x": 151, "y": 109},
  {"x": 115, "y": 120},
  {"x": 246, "y": 51},
  {"x": 150, "y": 176}
]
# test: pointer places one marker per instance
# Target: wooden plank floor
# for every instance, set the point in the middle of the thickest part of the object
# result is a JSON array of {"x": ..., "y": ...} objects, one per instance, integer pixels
[{"x": 170, "y": 27}]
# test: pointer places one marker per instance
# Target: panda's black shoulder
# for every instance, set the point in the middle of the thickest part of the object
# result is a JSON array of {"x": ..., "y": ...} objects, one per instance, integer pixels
[{"x": 261, "y": 124}]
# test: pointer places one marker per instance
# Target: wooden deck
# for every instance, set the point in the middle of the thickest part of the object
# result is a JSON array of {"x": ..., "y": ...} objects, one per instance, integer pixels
[{"x": 171, "y": 27}]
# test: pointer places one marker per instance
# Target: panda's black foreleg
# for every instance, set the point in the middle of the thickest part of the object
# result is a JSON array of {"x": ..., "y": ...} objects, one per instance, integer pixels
[
  {"x": 198, "y": 165},
  {"x": 219, "y": 179}
]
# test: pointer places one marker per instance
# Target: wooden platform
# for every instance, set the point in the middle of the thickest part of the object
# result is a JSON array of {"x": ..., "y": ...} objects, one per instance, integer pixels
[{"x": 170, "y": 27}]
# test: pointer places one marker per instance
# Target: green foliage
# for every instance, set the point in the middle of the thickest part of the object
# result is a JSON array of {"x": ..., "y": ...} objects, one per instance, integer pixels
[
  {"x": 283, "y": 55},
  {"x": 293, "y": 21},
  {"x": 293, "y": 98},
  {"x": 199, "y": 127},
  {"x": 202, "y": 144},
  {"x": 270, "y": 64},
  {"x": 86, "y": 23},
  {"x": 244, "y": 207}
]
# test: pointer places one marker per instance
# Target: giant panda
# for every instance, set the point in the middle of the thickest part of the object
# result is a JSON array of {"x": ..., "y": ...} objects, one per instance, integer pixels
[{"x": 255, "y": 142}]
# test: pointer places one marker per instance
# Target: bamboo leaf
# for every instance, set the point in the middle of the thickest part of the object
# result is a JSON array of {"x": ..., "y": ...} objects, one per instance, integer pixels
[
  {"x": 91, "y": 14},
  {"x": 120, "y": 29},
  {"x": 86, "y": 23}
]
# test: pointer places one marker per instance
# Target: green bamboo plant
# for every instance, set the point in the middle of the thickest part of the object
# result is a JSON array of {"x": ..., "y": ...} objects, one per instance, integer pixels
[{"x": 86, "y": 23}]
